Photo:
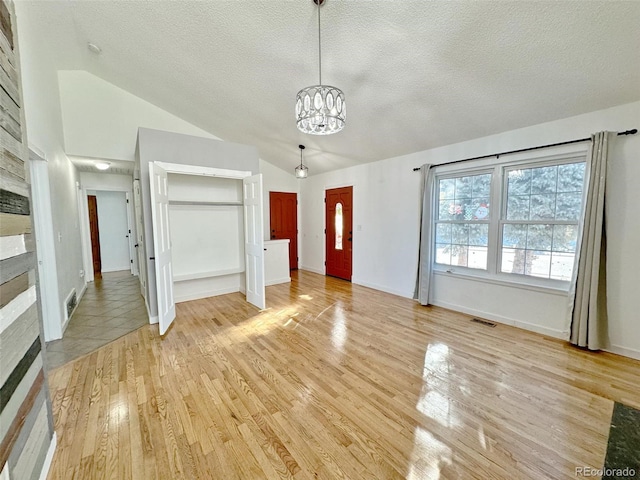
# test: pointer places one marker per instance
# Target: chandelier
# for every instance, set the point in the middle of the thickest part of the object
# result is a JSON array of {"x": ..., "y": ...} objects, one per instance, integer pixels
[
  {"x": 320, "y": 109},
  {"x": 301, "y": 170}
]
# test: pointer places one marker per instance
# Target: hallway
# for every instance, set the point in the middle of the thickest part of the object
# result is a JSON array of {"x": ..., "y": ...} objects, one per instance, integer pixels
[{"x": 111, "y": 307}]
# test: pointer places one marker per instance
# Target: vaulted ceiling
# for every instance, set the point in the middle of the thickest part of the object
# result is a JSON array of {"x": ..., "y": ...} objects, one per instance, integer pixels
[{"x": 416, "y": 74}]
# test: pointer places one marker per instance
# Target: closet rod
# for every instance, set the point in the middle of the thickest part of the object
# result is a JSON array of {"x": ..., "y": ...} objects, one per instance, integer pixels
[{"x": 497, "y": 155}]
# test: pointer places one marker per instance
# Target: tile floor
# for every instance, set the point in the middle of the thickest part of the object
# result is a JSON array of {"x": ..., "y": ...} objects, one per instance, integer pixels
[{"x": 111, "y": 307}]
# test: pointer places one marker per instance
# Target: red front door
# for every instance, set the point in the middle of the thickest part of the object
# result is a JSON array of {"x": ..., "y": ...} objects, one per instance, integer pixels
[
  {"x": 283, "y": 214},
  {"x": 339, "y": 215}
]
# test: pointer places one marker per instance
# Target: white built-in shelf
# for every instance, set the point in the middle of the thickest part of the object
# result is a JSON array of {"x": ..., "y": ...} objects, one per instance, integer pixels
[
  {"x": 197, "y": 275},
  {"x": 184, "y": 202}
]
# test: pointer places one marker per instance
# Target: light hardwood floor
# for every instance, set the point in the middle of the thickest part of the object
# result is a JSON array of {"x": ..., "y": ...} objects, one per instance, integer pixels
[{"x": 334, "y": 380}]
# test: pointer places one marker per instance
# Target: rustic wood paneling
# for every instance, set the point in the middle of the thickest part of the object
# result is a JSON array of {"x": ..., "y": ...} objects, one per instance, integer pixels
[
  {"x": 12, "y": 267},
  {"x": 25, "y": 424},
  {"x": 18, "y": 373},
  {"x": 11, "y": 289},
  {"x": 14, "y": 224},
  {"x": 12, "y": 432},
  {"x": 10, "y": 162},
  {"x": 11, "y": 202},
  {"x": 16, "y": 340}
]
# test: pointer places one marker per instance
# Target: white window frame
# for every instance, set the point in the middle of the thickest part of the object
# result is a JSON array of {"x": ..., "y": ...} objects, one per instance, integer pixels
[{"x": 499, "y": 167}]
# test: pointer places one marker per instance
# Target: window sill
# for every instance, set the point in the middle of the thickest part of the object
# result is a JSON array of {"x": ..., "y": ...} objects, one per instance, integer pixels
[{"x": 553, "y": 290}]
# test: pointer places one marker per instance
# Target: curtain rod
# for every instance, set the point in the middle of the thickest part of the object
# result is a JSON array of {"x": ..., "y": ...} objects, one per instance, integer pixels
[{"x": 497, "y": 155}]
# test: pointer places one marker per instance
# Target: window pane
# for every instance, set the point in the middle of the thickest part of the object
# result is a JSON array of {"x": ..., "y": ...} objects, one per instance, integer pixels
[
  {"x": 481, "y": 185},
  {"x": 479, "y": 234},
  {"x": 519, "y": 182},
  {"x": 459, "y": 255},
  {"x": 443, "y": 254},
  {"x": 514, "y": 235},
  {"x": 571, "y": 177},
  {"x": 463, "y": 187},
  {"x": 513, "y": 260},
  {"x": 477, "y": 257},
  {"x": 544, "y": 180},
  {"x": 447, "y": 209},
  {"x": 562, "y": 265},
  {"x": 542, "y": 207},
  {"x": 539, "y": 237},
  {"x": 480, "y": 208},
  {"x": 460, "y": 233},
  {"x": 537, "y": 263},
  {"x": 338, "y": 221},
  {"x": 568, "y": 206},
  {"x": 443, "y": 233},
  {"x": 518, "y": 207},
  {"x": 447, "y": 188},
  {"x": 565, "y": 238}
]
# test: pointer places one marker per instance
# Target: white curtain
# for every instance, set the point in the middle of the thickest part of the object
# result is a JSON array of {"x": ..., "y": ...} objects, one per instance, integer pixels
[
  {"x": 588, "y": 290},
  {"x": 425, "y": 252}
]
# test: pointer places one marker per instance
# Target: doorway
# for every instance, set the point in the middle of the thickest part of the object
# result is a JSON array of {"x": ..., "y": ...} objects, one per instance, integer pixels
[
  {"x": 339, "y": 238},
  {"x": 94, "y": 231},
  {"x": 283, "y": 215}
]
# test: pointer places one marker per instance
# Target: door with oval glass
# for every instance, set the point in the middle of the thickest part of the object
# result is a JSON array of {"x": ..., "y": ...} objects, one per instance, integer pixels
[{"x": 339, "y": 238}]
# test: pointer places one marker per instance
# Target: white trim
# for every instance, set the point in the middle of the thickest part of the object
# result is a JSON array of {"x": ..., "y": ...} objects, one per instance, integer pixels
[
  {"x": 45, "y": 246},
  {"x": 48, "y": 460},
  {"x": 16, "y": 307},
  {"x": 12, "y": 246},
  {"x": 153, "y": 320},
  {"x": 311, "y": 269},
  {"x": 624, "y": 351},
  {"x": 205, "y": 294},
  {"x": 504, "y": 283},
  {"x": 4, "y": 474},
  {"x": 399, "y": 293},
  {"x": 214, "y": 273},
  {"x": 207, "y": 171},
  {"x": 277, "y": 281},
  {"x": 551, "y": 332}
]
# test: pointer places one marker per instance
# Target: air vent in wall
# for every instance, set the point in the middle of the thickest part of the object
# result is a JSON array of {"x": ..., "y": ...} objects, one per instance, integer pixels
[
  {"x": 71, "y": 302},
  {"x": 486, "y": 323}
]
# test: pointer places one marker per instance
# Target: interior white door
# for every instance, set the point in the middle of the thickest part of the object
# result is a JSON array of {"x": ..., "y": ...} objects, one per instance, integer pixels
[
  {"x": 162, "y": 246},
  {"x": 253, "y": 240}
]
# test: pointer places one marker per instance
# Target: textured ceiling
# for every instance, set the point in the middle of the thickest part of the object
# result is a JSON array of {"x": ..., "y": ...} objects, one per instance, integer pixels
[
  {"x": 416, "y": 74},
  {"x": 122, "y": 167}
]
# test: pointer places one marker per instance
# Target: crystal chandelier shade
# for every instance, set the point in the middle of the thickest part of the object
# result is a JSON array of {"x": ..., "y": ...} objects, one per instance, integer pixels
[{"x": 320, "y": 109}]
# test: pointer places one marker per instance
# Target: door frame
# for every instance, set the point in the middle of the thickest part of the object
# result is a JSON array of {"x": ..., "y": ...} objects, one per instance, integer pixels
[
  {"x": 52, "y": 319},
  {"x": 86, "y": 235},
  {"x": 324, "y": 223}
]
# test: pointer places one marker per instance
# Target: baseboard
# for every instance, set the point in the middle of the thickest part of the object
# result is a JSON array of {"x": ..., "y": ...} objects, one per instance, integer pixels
[
  {"x": 624, "y": 351},
  {"x": 49, "y": 458},
  {"x": 205, "y": 294},
  {"x": 278, "y": 280},
  {"x": 311, "y": 269},
  {"x": 551, "y": 332},
  {"x": 116, "y": 269},
  {"x": 392, "y": 291}
]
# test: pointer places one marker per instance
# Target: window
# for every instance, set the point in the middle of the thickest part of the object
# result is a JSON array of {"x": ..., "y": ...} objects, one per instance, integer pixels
[
  {"x": 462, "y": 226},
  {"x": 541, "y": 219},
  {"x": 514, "y": 221},
  {"x": 338, "y": 222}
]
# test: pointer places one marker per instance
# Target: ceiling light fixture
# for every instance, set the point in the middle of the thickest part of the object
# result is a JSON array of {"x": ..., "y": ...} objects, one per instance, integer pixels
[
  {"x": 320, "y": 109},
  {"x": 301, "y": 170},
  {"x": 102, "y": 165}
]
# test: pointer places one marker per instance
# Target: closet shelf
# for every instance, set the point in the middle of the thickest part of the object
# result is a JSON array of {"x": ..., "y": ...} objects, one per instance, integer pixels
[
  {"x": 185, "y": 202},
  {"x": 214, "y": 273}
]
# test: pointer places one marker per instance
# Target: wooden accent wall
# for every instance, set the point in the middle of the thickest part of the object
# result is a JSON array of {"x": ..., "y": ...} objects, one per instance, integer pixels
[{"x": 26, "y": 428}]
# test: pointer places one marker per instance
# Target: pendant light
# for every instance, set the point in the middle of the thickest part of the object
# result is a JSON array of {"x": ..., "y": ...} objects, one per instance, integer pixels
[
  {"x": 301, "y": 170},
  {"x": 320, "y": 109}
]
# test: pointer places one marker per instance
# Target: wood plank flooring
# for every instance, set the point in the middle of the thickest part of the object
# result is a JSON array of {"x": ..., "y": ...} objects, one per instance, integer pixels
[{"x": 331, "y": 381}]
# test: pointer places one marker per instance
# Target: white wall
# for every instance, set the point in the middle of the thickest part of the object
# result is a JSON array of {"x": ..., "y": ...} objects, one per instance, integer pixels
[
  {"x": 101, "y": 120},
  {"x": 113, "y": 228},
  {"x": 45, "y": 133},
  {"x": 386, "y": 217}
]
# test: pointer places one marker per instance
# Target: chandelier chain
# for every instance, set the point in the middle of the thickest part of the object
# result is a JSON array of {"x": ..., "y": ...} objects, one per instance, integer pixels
[{"x": 319, "y": 46}]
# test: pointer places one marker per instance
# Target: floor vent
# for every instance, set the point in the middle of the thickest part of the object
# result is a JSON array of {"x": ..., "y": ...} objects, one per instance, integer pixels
[
  {"x": 71, "y": 302},
  {"x": 486, "y": 323}
]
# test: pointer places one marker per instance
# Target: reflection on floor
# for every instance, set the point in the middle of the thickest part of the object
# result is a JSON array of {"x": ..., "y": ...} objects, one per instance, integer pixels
[
  {"x": 110, "y": 308},
  {"x": 334, "y": 381}
]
